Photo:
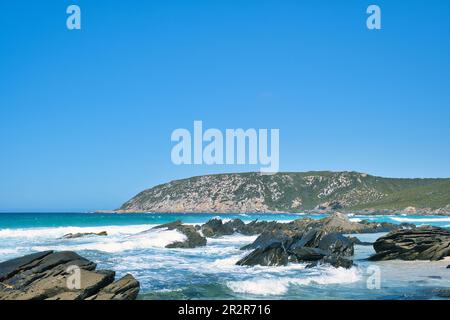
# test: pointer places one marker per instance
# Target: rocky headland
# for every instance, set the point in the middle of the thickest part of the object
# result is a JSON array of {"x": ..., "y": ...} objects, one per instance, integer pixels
[{"x": 312, "y": 192}]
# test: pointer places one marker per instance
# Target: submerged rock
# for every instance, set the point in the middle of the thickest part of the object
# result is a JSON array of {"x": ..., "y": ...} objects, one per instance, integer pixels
[
  {"x": 80, "y": 235},
  {"x": 48, "y": 276},
  {"x": 193, "y": 237},
  {"x": 424, "y": 243}
]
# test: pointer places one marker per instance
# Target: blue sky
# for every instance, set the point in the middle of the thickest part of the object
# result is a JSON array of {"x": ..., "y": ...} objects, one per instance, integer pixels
[{"x": 86, "y": 116}]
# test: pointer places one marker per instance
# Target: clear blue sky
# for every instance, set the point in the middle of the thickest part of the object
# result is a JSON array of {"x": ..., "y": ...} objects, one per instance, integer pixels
[{"x": 86, "y": 116}]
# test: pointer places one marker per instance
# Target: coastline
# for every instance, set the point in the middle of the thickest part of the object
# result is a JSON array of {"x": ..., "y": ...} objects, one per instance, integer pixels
[
  {"x": 306, "y": 212},
  {"x": 213, "y": 270}
]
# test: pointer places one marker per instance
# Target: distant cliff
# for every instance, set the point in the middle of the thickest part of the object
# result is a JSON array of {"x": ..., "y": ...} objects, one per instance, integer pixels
[{"x": 294, "y": 192}]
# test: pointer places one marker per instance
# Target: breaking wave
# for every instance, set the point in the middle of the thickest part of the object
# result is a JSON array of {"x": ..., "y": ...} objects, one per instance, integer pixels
[{"x": 279, "y": 286}]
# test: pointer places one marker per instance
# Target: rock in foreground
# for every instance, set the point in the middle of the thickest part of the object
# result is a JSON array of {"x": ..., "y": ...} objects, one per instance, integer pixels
[
  {"x": 424, "y": 243},
  {"x": 53, "y": 275}
]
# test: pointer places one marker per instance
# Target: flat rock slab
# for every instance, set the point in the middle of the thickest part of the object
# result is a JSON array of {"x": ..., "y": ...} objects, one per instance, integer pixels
[
  {"x": 62, "y": 275},
  {"x": 424, "y": 243}
]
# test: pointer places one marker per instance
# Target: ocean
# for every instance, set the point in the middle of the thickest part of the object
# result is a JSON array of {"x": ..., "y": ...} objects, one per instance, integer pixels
[{"x": 210, "y": 272}]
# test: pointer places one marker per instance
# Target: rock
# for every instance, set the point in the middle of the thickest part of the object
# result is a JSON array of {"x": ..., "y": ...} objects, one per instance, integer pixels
[
  {"x": 334, "y": 260},
  {"x": 337, "y": 244},
  {"x": 272, "y": 255},
  {"x": 278, "y": 247},
  {"x": 194, "y": 238},
  {"x": 48, "y": 275},
  {"x": 127, "y": 288},
  {"x": 79, "y": 235},
  {"x": 339, "y": 222},
  {"x": 448, "y": 267},
  {"x": 355, "y": 240},
  {"x": 303, "y": 254},
  {"x": 216, "y": 228},
  {"x": 424, "y": 243},
  {"x": 269, "y": 237},
  {"x": 335, "y": 223}
]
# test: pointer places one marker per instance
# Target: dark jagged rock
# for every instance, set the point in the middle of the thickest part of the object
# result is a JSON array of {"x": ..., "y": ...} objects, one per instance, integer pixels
[
  {"x": 275, "y": 248},
  {"x": 193, "y": 237},
  {"x": 80, "y": 235},
  {"x": 127, "y": 288},
  {"x": 258, "y": 227},
  {"x": 269, "y": 237},
  {"x": 47, "y": 275},
  {"x": 272, "y": 255},
  {"x": 424, "y": 243},
  {"x": 216, "y": 228},
  {"x": 334, "y": 260},
  {"x": 301, "y": 254},
  {"x": 335, "y": 223},
  {"x": 307, "y": 240},
  {"x": 448, "y": 267}
]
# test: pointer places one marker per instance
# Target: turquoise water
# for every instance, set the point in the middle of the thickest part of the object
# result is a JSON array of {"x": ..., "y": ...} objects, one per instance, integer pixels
[{"x": 210, "y": 272}]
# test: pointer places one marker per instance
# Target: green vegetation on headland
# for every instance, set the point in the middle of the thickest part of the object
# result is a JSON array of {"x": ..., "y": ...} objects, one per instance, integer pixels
[{"x": 294, "y": 192}]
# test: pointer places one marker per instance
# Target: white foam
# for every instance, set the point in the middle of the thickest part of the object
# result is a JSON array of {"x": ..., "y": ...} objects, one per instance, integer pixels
[
  {"x": 277, "y": 286},
  {"x": 8, "y": 251},
  {"x": 58, "y": 232},
  {"x": 158, "y": 238}
]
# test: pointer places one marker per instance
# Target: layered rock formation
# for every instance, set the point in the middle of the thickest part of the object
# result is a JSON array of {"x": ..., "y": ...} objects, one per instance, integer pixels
[
  {"x": 53, "y": 275},
  {"x": 424, "y": 243},
  {"x": 315, "y": 246}
]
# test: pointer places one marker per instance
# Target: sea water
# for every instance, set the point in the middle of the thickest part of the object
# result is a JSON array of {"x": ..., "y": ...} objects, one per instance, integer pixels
[{"x": 211, "y": 272}]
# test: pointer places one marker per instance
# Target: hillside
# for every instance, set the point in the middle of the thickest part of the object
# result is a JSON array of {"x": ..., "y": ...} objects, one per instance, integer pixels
[{"x": 293, "y": 192}]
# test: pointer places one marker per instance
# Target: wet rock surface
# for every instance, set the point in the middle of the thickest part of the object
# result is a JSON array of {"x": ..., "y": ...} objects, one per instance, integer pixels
[
  {"x": 62, "y": 275},
  {"x": 423, "y": 243},
  {"x": 312, "y": 246},
  {"x": 193, "y": 237},
  {"x": 302, "y": 240},
  {"x": 80, "y": 235}
]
